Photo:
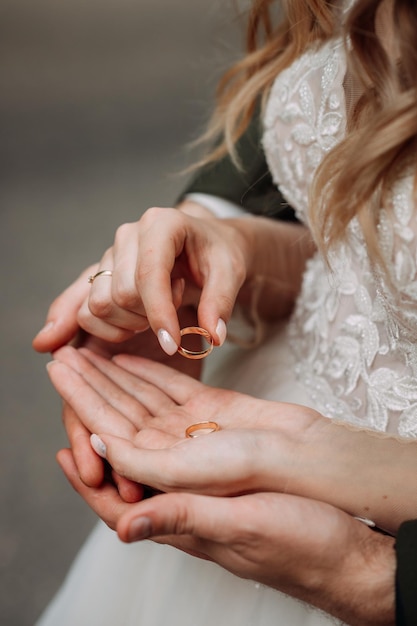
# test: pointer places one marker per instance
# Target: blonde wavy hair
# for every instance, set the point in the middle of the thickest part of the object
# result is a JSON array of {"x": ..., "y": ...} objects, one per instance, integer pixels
[{"x": 382, "y": 124}]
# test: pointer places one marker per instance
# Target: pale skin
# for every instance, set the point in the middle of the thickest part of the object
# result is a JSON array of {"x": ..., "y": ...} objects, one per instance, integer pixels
[
  {"x": 141, "y": 409},
  {"x": 193, "y": 258},
  {"x": 194, "y": 249},
  {"x": 262, "y": 536},
  {"x": 113, "y": 314},
  {"x": 257, "y": 250},
  {"x": 259, "y": 534}
]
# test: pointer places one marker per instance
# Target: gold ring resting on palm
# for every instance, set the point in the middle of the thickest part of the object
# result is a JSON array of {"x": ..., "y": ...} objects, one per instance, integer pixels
[
  {"x": 199, "y": 354},
  {"x": 201, "y": 428},
  {"x": 92, "y": 278}
]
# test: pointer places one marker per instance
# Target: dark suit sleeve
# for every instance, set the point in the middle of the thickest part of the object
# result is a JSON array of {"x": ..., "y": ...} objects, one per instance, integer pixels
[
  {"x": 252, "y": 188},
  {"x": 406, "y": 578}
]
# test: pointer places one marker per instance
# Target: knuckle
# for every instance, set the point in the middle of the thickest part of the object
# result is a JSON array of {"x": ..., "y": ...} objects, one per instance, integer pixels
[
  {"x": 123, "y": 230},
  {"x": 112, "y": 333},
  {"x": 153, "y": 214},
  {"x": 117, "y": 335},
  {"x": 157, "y": 214},
  {"x": 100, "y": 306},
  {"x": 248, "y": 534},
  {"x": 145, "y": 271},
  {"x": 240, "y": 274},
  {"x": 125, "y": 295},
  {"x": 225, "y": 302},
  {"x": 84, "y": 318},
  {"x": 182, "y": 522},
  {"x": 238, "y": 269}
]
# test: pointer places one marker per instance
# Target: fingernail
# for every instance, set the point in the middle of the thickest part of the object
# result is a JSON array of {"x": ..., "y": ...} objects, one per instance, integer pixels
[
  {"x": 98, "y": 445},
  {"x": 48, "y": 326},
  {"x": 221, "y": 331},
  {"x": 167, "y": 343},
  {"x": 140, "y": 528},
  {"x": 50, "y": 364}
]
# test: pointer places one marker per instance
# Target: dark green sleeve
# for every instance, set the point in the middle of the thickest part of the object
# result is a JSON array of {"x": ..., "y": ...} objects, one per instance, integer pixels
[
  {"x": 406, "y": 578},
  {"x": 252, "y": 188}
]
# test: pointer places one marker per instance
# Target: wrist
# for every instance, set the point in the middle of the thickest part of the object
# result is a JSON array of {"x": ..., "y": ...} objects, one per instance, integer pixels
[
  {"x": 373, "y": 487},
  {"x": 367, "y": 576},
  {"x": 354, "y": 580},
  {"x": 309, "y": 455}
]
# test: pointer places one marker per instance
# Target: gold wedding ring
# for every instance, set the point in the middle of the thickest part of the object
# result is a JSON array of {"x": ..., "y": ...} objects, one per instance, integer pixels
[
  {"x": 92, "y": 278},
  {"x": 200, "y": 354},
  {"x": 201, "y": 428}
]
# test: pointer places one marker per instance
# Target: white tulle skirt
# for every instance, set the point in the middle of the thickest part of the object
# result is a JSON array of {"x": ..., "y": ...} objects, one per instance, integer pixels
[{"x": 145, "y": 584}]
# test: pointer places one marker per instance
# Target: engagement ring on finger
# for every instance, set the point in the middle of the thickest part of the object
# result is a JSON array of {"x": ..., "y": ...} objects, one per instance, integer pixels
[{"x": 92, "y": 278}]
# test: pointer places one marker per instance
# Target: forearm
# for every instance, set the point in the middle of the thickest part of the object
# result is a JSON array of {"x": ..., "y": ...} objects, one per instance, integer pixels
[
  {"x": 276, "y": 259},
  {"x": 372, "y": 475}
]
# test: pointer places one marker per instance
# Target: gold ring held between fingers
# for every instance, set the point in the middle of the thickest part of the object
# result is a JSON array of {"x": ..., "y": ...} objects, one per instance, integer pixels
[
  {"x": 200, "y": 354},
  {"x": 201, "y": 428},
  {"x": 92, "y": 278}
]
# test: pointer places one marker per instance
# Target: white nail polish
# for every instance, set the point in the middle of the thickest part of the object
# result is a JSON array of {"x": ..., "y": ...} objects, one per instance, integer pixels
[
  {"x": 98, "y": 446},
  {"x": 167, "y": 343},
  {"x": 221, "y": 331}
]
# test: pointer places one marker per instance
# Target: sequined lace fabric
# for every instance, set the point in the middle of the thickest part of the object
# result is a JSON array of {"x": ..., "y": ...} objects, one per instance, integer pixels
[{"x": 354, "y": 332}]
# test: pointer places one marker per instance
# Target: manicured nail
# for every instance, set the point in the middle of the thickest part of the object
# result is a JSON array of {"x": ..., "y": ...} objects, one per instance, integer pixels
[
  {"x": 98, "y": 445},
  {"x": 140, "y": 528},
  {"x": 221, "y": 331},
  {"x": 48, "y": 326},
  {"x": 167, "y": 343}
]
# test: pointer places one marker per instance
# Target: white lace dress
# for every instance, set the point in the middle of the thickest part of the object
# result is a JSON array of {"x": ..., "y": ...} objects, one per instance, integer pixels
[{"x": 350, "y": 351}]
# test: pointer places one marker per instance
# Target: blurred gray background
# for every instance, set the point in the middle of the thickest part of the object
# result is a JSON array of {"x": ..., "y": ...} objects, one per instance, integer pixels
[{"x": 97, "y": 99}]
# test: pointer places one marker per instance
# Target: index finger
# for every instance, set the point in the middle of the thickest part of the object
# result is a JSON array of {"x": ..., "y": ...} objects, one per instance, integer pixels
[
  {"x": 61, "y": 322},
  {"x": 178, "y": 386},
  {"x": 94, "y": 411},
  {"x": 160, "y": 242}
]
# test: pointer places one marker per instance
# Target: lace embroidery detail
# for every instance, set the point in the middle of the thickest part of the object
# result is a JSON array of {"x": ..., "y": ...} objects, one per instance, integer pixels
[
  {"x": 305, "y": 116},
  {"x": 354, "y": 332}
]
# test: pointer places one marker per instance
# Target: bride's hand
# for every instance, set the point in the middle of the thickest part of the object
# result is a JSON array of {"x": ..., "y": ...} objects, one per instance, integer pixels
[
  {"x": 76, "y": 378},
  {"x": 256, "y": 448},
  {"x": 62, "y": 327},
  {"x": 152, "y": 405},
  {"x": 262, "y": 445},
  {"x": 90, "y": 401},
  {"x": 158, "y": 264}
]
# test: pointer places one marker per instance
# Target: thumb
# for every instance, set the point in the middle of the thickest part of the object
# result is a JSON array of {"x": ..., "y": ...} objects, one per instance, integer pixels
[
  {"x": 178, "y": 514},
  {"x": 61, "y": 323}
]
